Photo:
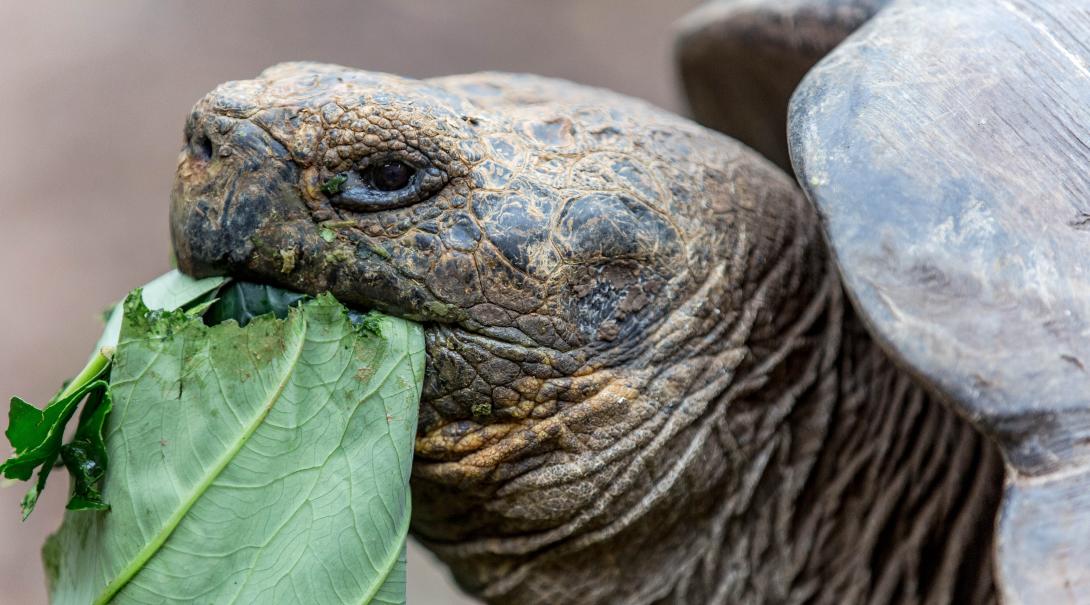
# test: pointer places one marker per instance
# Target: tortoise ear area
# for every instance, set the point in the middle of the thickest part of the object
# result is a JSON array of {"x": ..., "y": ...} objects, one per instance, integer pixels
[
  {"x": 739, "y": 62},
  {"x": 515, "y": 222},
  {"x": 621, "y": 253},
  {"x": 601, "y": 227},
  {"x": 956, "y": 207}
]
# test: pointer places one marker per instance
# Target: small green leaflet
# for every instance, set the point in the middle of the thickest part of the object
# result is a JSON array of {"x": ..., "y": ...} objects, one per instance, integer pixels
[
  {"x": 245, "y": 300},
  {"x": 85, "y": 456},
  {"x": 259, "y": 464},
  {"x": 36, "y": 435}
]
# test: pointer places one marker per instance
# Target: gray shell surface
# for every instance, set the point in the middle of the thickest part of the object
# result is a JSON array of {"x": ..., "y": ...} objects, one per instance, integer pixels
[
  {"x": 946, "y": 148},
  {"x": 740, "y": 60}
]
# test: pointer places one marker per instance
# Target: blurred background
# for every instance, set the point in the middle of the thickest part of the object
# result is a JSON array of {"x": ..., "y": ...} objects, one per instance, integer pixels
[{"x": 95, "y": 96}]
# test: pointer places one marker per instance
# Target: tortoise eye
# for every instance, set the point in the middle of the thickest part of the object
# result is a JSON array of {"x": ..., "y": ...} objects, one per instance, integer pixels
[
  {"x": 384, "y": 182},
  {"x": 391, "y": 176}
]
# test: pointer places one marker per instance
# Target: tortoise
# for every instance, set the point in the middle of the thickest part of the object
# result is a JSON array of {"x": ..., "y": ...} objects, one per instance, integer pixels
[{"x": 659, "y": 370}]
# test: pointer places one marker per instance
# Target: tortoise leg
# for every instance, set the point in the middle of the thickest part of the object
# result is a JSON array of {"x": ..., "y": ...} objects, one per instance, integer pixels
[{"x": 740, "y": 60}]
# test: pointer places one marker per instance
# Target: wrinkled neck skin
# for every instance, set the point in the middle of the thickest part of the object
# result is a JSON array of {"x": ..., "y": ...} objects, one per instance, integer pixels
[{"x": 769, "y": 454}]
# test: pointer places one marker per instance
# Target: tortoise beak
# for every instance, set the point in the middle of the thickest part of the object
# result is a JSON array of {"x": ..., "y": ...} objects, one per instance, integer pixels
[
  {"x": 237, "y": 210},
  {"x": 232, "y": 179}
]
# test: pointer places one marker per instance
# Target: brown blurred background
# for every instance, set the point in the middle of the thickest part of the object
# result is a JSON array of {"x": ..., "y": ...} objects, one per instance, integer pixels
[{"x": 94, "y": 95}]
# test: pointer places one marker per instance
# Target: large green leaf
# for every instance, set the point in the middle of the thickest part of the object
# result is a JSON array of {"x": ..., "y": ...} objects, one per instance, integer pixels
[{"x": 266, "y": 464}]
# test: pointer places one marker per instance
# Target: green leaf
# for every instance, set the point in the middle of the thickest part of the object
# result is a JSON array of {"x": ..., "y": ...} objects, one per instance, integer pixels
[
  {"x": 36, "y": 436},
  {"x": 171, "y": 290},
  {"x": 23, "y": 421},
  {"x": 30, "y": 499},
  {"x": 243, "y": 301},
  {"x": 85, "y": 457},
  {"x": 265, "y": 464}
]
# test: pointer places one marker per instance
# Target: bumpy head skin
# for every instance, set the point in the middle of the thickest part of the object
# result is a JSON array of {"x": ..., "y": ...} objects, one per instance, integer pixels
[{"x": 627, "y": 317}]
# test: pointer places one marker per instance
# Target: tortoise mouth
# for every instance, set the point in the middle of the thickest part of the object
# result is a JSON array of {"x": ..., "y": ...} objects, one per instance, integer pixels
[
  {"x": 228, "y": 183},
  {"x": 238, "y": 210}
]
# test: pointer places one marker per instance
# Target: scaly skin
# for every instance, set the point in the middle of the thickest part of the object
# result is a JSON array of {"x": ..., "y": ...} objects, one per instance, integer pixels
[{"x": 643, "y": 383}]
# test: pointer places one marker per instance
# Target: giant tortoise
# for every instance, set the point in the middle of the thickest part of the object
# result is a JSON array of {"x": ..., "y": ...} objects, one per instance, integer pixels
[{"x": 658, "y": 371}]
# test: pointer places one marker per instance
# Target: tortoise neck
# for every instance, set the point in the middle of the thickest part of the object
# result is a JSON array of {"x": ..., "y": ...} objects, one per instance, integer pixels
[
  {"x": 845, "y": 482},
  {"x": 783, "y": 460},
  {"x": 899, "y": 503}
]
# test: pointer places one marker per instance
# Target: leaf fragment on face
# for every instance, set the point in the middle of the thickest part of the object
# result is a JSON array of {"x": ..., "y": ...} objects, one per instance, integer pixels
[{"x": 334, "y": 184}]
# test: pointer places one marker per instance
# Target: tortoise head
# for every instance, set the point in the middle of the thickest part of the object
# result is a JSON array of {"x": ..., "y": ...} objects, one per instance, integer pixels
[
  {"x": 401, "y": 195},
  {"x": 583, "y": 264}
]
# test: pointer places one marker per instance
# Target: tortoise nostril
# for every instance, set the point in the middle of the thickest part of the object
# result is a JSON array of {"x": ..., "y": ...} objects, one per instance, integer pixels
[
  {"x": 201, "y": 147},
  {"x": 195, "y": 136}
]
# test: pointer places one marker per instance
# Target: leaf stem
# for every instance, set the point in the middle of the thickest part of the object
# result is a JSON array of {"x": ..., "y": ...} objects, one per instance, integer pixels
[{"x": 92, "y": 370}]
